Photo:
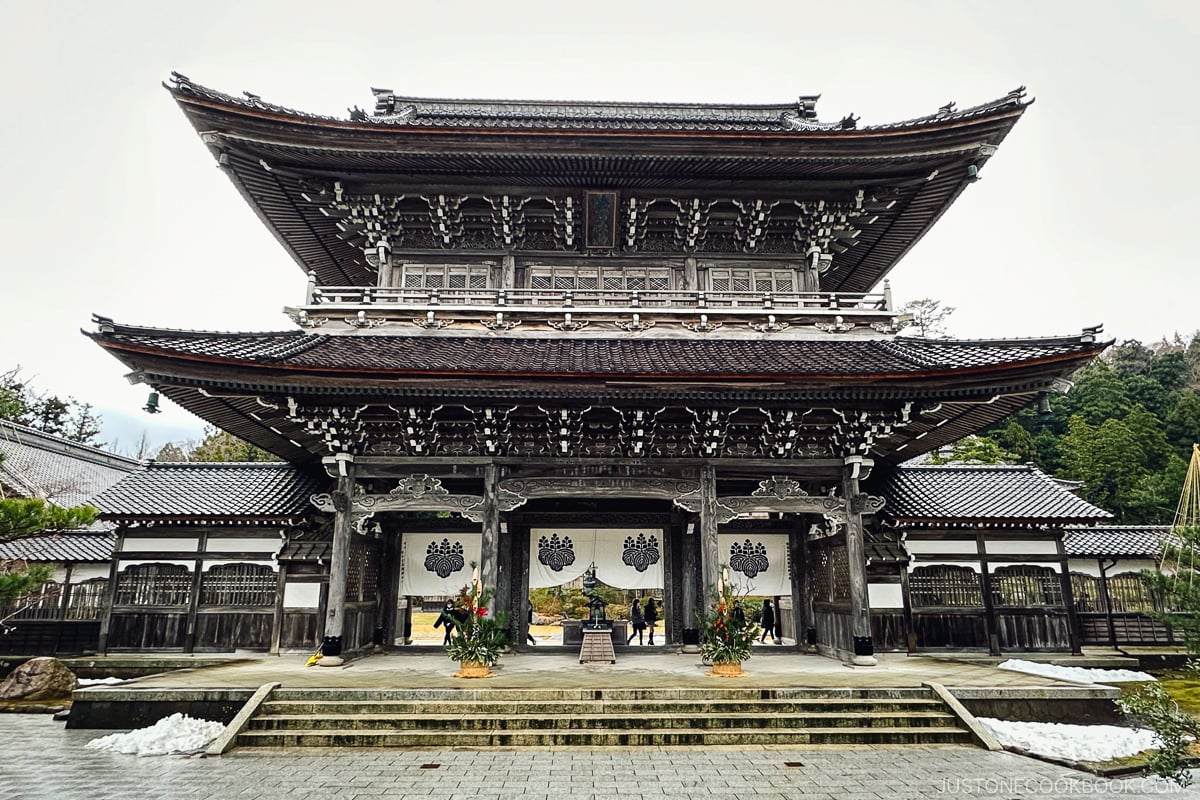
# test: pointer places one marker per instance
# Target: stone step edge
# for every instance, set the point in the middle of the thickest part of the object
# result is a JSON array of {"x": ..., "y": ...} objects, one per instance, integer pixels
[
  {"x": 931, "y": 714},
  {"x": 459, "y": 738}
]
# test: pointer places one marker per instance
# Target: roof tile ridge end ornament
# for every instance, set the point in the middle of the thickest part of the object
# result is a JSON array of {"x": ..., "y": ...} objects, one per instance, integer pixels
[
  {"x": 1015, "y": 99},
  {"x": 107, "y": 326},
  {"x": 182, "y": 87}
]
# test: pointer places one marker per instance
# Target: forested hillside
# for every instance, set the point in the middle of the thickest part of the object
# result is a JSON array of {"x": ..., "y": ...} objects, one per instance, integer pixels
[{"x": 1125, "y": 430}]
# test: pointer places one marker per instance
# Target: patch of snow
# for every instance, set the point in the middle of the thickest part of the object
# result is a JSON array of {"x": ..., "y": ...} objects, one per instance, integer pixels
[
  {"x": 177, "y": 733},
  {"x": 99, "y": 681},
  {"x": 1071, "y": 742},
  {"x": 1075, "y": 674}
]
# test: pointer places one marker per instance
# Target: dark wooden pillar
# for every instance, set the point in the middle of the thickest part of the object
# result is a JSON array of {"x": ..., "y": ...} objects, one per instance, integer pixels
[
  {"x": 339, "y": 561},
  {"x": 489, "y": 553},
  {"x": 989, "y": 607},
  {"x": 1074, "y": 629},
  {"x": 390, "y": 590},
  {"x": 689, "y": 577},
  {"x": 710, "y": 555},
  {"x": 856, "y": 558},
  {"x": 803, "y": 624},
  {"x": 277, "y": 612},
  {"x": 519, "y": 536},
  {"x": 189, "y": 637}
]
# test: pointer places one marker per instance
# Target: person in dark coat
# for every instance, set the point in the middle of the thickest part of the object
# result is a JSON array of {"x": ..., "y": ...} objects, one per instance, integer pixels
[
  {"x": 651, "y": 617},
  {"x": 637, "y": 621},
  {"x": 448, "y": 620},
  {"x": 768, "y": 622},
  {"x": 529, "y": 633}
]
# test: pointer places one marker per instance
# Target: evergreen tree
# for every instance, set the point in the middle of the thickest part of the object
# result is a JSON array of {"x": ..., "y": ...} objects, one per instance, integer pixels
[{"x": 218, "y": 445}]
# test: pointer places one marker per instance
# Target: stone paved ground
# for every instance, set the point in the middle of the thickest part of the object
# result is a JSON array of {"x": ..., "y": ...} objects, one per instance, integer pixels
[{"x": 40, "y": 759}]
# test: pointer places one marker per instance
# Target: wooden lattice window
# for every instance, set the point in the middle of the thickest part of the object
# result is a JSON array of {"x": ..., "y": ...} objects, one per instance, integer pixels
[
  {"x": 1085, "y": 589},
  {"x": 41, "y": 603},
  {"x": 820, "y": 575},
  {"x": 745, "y": 279},
  {"x": 840, "y": 567},
  {"x": 248, "y": 585},
  {"x": 355, "y": 569},
  {"x": 154, "y": 585},
  {"x": 87, "y": 599},
  {"x": 591, "y": 278},
  {"x": 1025, "y": 586},
  {"x": 1129, "y": 592},
  {"x": 444, "y": 276},
  {"x": 370, "y": 585},
  {"x": 939, "y": 585}
]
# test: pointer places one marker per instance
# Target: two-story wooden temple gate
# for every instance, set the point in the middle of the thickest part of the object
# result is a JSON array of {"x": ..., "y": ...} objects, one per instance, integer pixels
[{"x": 516, "y": 309}]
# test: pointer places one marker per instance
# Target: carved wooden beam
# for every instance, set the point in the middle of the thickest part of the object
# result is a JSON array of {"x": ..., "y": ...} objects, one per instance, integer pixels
[{"x": 420, "y": 492}]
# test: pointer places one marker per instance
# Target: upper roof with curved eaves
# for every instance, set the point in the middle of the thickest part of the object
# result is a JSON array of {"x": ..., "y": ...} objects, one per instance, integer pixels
[{"x": 284, "y": 162}]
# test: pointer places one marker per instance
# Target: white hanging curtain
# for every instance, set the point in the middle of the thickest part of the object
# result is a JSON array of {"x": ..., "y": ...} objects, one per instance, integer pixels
[
  {"x": 757, "y": 563},
  {"x": 627, "y": 558},
  {"x": 559, "y": 555},
  {"x": 433, "y": 564}
]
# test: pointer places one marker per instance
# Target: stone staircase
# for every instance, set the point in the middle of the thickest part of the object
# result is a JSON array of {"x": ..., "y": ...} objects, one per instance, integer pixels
[{"x": 480, "y": 718}]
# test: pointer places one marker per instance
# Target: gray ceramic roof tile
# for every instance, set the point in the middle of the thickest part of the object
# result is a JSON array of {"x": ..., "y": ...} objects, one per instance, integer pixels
[
  {"x": 36, "y": 464},
  {"x": 594, "y": 356},
  {"x": 211, "y": 490},
  {"x": 953, "y": 493},
  {"x": 1115, "y": 541},
  {"x": 61, "y": 547}
]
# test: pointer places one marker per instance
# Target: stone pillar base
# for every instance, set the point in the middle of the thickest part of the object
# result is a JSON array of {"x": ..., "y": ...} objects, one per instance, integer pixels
[
  {"x": 330, "y": 661},
  {"x": 864, "y": 661}
]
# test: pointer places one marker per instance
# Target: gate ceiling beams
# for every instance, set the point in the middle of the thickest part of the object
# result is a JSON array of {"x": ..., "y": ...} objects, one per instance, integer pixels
[
  {"x": 599, "y": 431},
  {"x": 553, "y": 222}
]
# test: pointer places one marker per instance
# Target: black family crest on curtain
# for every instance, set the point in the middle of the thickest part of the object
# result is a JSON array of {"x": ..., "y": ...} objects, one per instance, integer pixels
[
  {"x": 641, "y": 553},
  {"x": 748, "y": 558},
  {"x": 444, "y": 558},
  {"x": 556, "y": 553}
]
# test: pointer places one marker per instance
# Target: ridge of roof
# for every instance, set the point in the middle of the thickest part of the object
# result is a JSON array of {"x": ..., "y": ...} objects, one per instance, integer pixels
[
  {"x": 792, "y": 117},
  {"x": 59, "y": 444}
]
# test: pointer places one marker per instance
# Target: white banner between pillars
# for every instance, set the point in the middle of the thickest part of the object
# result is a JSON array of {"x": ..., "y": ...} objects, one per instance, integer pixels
[
  {"x": 433, "y": 564},
  {"x": 757, "y": 562},
  {"x": 627, "y": 558}
]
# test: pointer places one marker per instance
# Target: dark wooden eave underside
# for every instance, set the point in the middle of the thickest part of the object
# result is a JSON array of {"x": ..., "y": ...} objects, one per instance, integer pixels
[
  {"x": 248, "y": 397},
  {"x": 272, "y": 153}
]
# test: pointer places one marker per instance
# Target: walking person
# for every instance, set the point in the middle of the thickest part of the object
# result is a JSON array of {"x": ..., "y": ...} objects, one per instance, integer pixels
[
  {"x": 529, "y": 633},
  {"x": 637, "y": 621},
  {"x": 651, "y": 617},
  {"x": 448, "y": 620},
  {"x": 768, "y": 622}
]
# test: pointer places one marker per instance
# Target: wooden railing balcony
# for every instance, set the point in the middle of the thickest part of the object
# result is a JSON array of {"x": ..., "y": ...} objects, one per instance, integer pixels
[
  {"x": 600, "y": 310},
  {"x": 605, "y": 301}
]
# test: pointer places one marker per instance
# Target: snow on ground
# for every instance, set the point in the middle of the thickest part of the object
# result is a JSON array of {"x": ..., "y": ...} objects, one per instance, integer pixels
[
  {"x": 1071, "y": 742},
  {"x": 99, "y": 681},
  {"x": 177, "y": 733},
  {"x": 1075, "y": 674}
]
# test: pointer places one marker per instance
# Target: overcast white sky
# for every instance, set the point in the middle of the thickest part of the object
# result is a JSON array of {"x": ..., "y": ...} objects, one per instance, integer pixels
[{"x": 111, "y": 204}]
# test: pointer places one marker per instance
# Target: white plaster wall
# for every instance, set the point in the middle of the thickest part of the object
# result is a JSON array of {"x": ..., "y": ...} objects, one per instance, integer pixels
[
  {"x": 1053, "y": 567},
  {"x": 930, "y": 562},
  {"x": 207, "y": 565},
  {"x": 1021, "y": 546},
  {"x": 1088, "y": 566},
  {"x": 301, "y": 595},
  {"x": 86, "y": 572},
  {"x": 173, "y": 545},
  {"x": 885, "y": 595},
  {"x": 121, "y": 567},
  {"x": 915, "y": 546},
  {"x": 231, "y": 544}
]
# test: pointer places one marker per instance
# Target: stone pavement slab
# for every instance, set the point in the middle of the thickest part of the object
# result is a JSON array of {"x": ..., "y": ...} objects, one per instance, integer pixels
[{"x": 40, "y": 759}]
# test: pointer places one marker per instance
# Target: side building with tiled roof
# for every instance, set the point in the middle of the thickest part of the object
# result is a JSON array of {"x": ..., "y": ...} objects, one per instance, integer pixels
[
  {"x": 64, "y": 616},
  {"x": 987, "y": 565},
  {"x": 196, "y": 564},
  {"x": 1114, "y": 602}
]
